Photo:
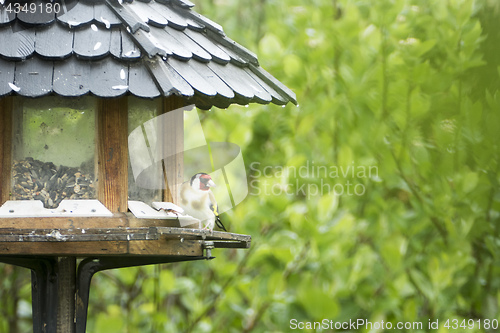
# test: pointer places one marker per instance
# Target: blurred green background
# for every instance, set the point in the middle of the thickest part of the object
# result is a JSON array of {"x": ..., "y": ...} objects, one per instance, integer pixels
[{"x": 406, "y": 89}]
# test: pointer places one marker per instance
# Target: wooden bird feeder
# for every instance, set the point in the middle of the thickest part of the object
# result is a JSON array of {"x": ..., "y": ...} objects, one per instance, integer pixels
[{"x": 76, "y": 77}]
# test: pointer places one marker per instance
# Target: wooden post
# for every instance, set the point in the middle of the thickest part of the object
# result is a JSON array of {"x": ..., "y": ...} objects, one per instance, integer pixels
[
  {"x": 5, "y": 148},
  {"x": 172, "y": 136},
  {"x": 66, "y": 294},
  {"x": 112, "y": 152}
]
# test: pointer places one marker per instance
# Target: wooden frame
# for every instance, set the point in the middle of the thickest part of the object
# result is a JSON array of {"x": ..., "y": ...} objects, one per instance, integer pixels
[
  {"x": 173, "y": 140},
  {"x": 112, "y": 153},
  {"x": 6, "y": 106}
]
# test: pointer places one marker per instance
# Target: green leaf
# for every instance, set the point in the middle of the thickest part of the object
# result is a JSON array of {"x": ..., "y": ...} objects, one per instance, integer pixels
[
  {"x": 316, "y": 302},
  {"x": 422, "y": 48},
  {"x": 423, "y": 283},
  {"x": 270, "y": 45},
  {"x": 292, "y": 65},
  {"x": 327, "y": 205},
  {"x": 469, "y": 181}
]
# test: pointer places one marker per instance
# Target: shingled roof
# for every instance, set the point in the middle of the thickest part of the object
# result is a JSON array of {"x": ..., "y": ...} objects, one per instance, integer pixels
[{"x": 146, "y": 48}]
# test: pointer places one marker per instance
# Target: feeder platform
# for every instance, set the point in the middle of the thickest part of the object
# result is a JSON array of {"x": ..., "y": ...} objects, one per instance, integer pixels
[{"x": 126, "y": 241}]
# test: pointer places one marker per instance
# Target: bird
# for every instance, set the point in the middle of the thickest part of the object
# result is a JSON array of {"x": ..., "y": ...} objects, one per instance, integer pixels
[{"x": 198, "y": 200}]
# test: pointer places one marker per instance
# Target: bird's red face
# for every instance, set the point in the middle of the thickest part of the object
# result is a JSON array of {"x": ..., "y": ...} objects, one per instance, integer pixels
[{"x": 206, "y": 182}]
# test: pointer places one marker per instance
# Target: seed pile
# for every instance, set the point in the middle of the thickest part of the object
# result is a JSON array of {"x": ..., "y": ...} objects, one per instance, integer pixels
[{"x": 37, "y": 180}]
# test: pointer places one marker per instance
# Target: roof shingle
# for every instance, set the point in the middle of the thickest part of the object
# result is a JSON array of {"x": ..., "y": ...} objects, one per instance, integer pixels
[{"x": 145, "y": 48}]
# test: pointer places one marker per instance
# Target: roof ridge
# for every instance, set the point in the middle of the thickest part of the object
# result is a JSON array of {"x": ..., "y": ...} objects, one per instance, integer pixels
[
  {"x": 183, "y": 3},
  {"x": 200, "y": 19},
  {"x": 128, "y": 17},
  {"x": 235, "y": 47}
]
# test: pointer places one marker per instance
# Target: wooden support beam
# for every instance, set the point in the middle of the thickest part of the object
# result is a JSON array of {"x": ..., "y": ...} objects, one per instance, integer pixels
[
  {"x": 172, "y": 138},
  {"x": 112, "y": 153},
  {"x": 66, "y": 289},
  {"x": 5, "y": 148}
]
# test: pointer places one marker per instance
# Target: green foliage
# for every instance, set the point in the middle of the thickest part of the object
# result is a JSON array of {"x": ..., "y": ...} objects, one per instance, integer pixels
[
  {"x": 409, "y": 88},
  {"x": 400, "y": 98}
]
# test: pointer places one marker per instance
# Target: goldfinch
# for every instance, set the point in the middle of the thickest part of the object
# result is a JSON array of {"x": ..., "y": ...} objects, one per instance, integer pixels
[{"x": 197, "y": 200}]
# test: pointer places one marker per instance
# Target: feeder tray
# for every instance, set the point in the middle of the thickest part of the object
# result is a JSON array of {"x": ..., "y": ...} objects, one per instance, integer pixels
[{"x": 82, "y": 237}]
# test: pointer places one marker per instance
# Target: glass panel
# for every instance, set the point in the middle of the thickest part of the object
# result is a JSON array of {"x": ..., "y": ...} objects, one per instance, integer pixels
[
  {"x": 145, "y": 177},
  {"x": 54, "y": 150}
]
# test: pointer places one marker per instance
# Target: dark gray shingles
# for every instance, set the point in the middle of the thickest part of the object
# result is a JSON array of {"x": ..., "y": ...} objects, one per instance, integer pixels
[
  {"x": 34, "y": 77},
  {"x": 129, "y": 49},
  {"x": 5, "y": 16},
  {"x": 134, "y": 6},
  {"x": 276, "y": 97},
  {"x": 238, "y": 49},
  {"x": 92, "y": 41},
  {"x": 271, "y": 80},
  {"x": 72, "y": 77},
  {"x": 140, "y": 82},
  {"x": 79, "y": 14},
  {"x": 235, "y": 59},
  {"x": 183, "y": 3},
  {"x": 175, "y": 20},
  {"x": 115, "y": 47},
  {"x": 208, "y": 75},
  {"x": 231, "y": 75},
  {"x": 206, "y": 22},
  {"x": 149, "y": 44},
  {"x": 262, "y": 96},
  {"x": 168, "y": 42},
  {"x": 148, "y": 14},
  {"x": 122, "y": 46},
  {"x": 109, "y": 78},
  {"x": 16, "y": 45},
  {"x": 37, "y": 12},
  {"x": 168, "y": 80},
  {"x": 189, "y": 74},
  {"x": 197, "y": 51},
  {"x": 106, "y": 16},
  {"x": 207, "y": 57},
  {"x": 46, "y": 46},
  {"x": 7, "y": 69},
  {"x": 206, "y": 104},
  {"x": 195, "y": 25},
  {"x": 127, "y": 16},
  {"x": 217, "y": 54}
]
